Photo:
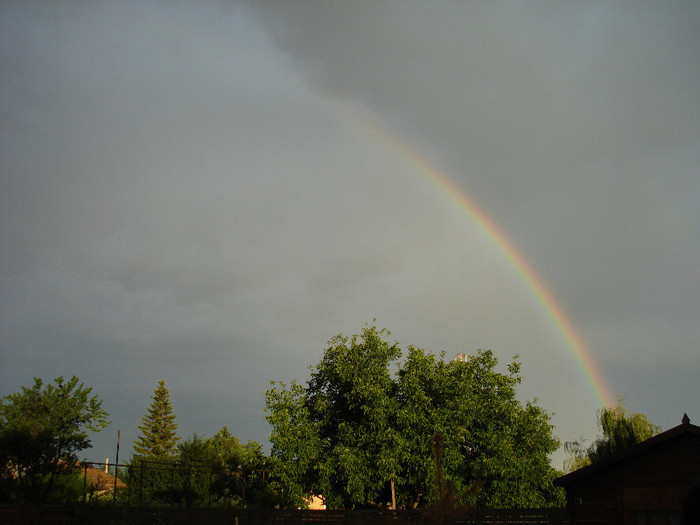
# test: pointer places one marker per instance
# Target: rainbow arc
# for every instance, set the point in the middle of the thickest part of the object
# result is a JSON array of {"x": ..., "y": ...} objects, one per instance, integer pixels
[{"x": 537, "y": 286}]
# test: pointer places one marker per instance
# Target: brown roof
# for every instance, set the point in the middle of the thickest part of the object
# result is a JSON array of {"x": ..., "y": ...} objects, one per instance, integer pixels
[
  {"x": 684, "y": 428},
  {"x": 102, "y": 480}
]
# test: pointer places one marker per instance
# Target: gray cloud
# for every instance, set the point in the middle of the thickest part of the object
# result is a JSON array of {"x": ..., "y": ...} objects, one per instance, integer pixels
[
  {"x": 183, "y": 198},
  {"x": 575, "y": 126}
]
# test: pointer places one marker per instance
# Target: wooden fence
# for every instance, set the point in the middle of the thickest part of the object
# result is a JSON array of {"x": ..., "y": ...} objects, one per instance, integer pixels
[{"x": 88, "y": 515}]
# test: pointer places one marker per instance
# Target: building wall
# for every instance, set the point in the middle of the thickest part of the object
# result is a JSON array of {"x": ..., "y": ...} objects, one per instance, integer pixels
[{"x": 654, "y": 482}]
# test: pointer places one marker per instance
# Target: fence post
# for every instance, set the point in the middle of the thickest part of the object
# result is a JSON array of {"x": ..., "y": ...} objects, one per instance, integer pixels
[
  {"x": 85, "y": 467},
  {"x": 116, "y": 468}
]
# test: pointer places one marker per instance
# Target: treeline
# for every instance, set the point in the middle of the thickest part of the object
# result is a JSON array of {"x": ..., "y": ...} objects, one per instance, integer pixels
[
  {"x": 371, "y": 427},
  {"x": 199, "y": 471}
]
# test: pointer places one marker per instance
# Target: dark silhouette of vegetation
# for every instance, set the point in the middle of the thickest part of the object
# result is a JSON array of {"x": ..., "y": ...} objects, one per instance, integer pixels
[
  {"x": 236, "y": 473},
  {"x": 450, "y": 505},
  {"x": 41, "y": 430},
  {"x": 203, "y": 472}
]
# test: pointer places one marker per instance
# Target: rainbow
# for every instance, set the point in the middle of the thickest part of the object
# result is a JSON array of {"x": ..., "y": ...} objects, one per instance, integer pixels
[{"x": 537, "y": 286}]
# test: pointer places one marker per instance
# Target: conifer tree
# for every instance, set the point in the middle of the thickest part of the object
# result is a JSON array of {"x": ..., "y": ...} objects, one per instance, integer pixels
[{"x": 158, "y": 429}]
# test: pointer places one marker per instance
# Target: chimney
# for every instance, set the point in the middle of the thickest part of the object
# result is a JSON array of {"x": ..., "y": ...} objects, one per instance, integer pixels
[{"x": 106, "y": 465}]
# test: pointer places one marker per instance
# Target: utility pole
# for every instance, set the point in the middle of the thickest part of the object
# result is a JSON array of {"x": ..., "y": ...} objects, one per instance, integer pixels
[{"x": 116, "y": 469}]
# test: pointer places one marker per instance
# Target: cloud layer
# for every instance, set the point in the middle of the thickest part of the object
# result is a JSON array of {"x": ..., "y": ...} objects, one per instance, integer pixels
[{"x": 189, "y": 192}]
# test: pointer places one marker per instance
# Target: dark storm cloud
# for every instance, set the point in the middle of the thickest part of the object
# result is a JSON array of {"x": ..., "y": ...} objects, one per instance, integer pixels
[
  {"x": 576, "y": 126},
  {"x": 183, "y": 198}
]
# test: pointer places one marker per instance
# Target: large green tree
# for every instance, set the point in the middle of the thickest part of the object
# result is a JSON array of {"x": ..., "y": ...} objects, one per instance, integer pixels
[
  {"x": 42, "y": 428},
  {"x": 158, "y": 438},
  {"x": 490, "y": 437},
  {"x": 354, "y": 429},
  {"x": 296, "y": 445}
]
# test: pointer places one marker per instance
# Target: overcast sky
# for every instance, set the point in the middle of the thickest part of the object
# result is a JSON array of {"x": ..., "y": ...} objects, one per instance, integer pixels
[{"x": 192, "y": 191}]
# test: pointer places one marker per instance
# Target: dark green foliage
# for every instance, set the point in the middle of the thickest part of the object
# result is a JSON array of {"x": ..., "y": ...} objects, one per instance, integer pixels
[
  {"x": 158, "y": 439},
  {"x": 215, "y": 471},
  {"x": 152, "y": 472},
  {"x": 621, "y": 431},
  {"x": 41, "y": 430},
  {"x": 351, "y": 395},
  {"x": 450, "y": 505},
  {"x": 490, "y": 437},
  {"x": 354, "y": 428},
  {"x": 296, "y": 443},
  {"x": 153, "y": 482},
  {"x": 230, "y": 472}
]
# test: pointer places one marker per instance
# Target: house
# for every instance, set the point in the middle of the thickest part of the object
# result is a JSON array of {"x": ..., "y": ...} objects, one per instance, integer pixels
[
  {"x": 100, "y": 481},
  {"x": 655, "y": 482},
  {"x": 316, "y": 502}
]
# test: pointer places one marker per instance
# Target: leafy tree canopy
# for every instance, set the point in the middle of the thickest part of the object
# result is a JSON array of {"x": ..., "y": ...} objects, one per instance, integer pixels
[
  {"x": 235, "y": 472},
  {"x": 41, "y": 430},
  {"x": 621, "y": 430},
  {"x": 223, "y": 449},
  {"x": 355, "y": 428},
  {"x": 158, "y": 437}
]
